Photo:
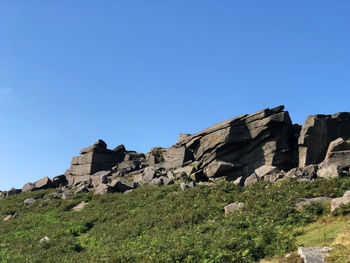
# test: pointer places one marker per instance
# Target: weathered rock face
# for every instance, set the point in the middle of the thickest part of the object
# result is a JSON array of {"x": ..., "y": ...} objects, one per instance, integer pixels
[
  {"x": 246, "y": 149},
  {"x": 240, "y": 145},
  {"x": 95, "y": 158},
  {"x": 338, "y": 153},
  {"x": 317, "y": 133}
]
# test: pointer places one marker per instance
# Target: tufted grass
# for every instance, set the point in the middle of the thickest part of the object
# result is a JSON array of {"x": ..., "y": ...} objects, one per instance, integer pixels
[{"x": 165, "y": 224}]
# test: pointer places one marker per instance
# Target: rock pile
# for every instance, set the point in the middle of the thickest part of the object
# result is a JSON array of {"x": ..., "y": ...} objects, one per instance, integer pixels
[{"x": 265, "y": 145}]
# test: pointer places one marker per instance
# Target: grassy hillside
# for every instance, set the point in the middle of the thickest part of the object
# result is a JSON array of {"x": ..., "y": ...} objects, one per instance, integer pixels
[{"x": 165, "y": 224}]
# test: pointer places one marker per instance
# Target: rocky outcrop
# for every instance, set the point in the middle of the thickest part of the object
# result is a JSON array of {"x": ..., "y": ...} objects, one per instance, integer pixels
[
  {"x": 95, "y": 158},
  {"x": 263, "y": 146},
  {"x": 318, "y": 132},
  {"x": 240, "y": 145}
]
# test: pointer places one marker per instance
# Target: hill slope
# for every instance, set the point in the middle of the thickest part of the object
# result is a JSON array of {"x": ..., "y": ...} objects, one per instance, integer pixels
[{"x": 166, "y": 224}]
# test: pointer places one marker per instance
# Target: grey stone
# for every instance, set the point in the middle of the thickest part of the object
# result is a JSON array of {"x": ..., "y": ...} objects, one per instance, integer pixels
[
  {"x": 314, "y": 254},
  {"x": 187, "y": 171},
  {"x": 121, "y": 185},
  {"x": 45, "y": 202},
  {"x": 129, "y": 166},
  {"x": 250, "y": 180},
  {"x": 43, "y": 183},
  {"x": 7, "y": 218},
  {"x": 182, "y": 137},
  {"x": 59, "y": 181},
  {"x": 152, "y": 160},
  {"x": 156, "y": 181},
  {"x": 183, "y": 186},
  {"x": 301, "y": 202},
  {"x": 329, "y": 171},
  {"x": 103, "y": 189},
  {"x": 238, "y": 146},
  {"x": 149, "y": 173},
  {"x": 170, "y": 175},
  {"x": 28, "y": 187},
  {"x": 81, "y": 189},
  {"x": 29, "y": 201},
  {"x": 233, "y": 207},
  {"x": 308, "y": 172},
  {"x": 174, "y": 157},
  {"x": 338, "y": 202},
  {"x": 120, "y": 149},
  {"x": 132, "y": 156},
  {"x": 168, "y": 181},
  {"x": 338, "y": 153},
  {"x": 100, "y": 178},
  {"x": 80, "y": 206},
  {"x": 318, "y": 132},
  {"x": 14, "y": 191},
  {"x": 268, "y": 173},
  {"x": 95, "y": 158},
  {"x": 239, "y": 181},
  {"x": 45, "y": 240}
]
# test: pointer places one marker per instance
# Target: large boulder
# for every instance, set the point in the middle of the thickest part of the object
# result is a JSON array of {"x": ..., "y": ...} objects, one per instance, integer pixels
[
  {"x": 28, "y": 187},
  {"x": 233, "y": 207},
  {"x": 318, "y": 132},
  {"x": 308, "y": 172},
  {"x": 338, "y": 153},
  {"x": 43, "y": 183},
  {"x": 268, "y": 173},
  {"x": 329, "y": 171},
  {"x": 121, "y": 186},
  {"x": 59, "y": 180},
  {"x": 103, "y": 189},
  {"x": 95, "y": 158},
  {"x": 238, "y": 146},
  {"x": 13, "y": 191},
  {"x": 314, "y": 254},
  {"x": 170, "y": 158},
  {"x": 338, "y": 202}
]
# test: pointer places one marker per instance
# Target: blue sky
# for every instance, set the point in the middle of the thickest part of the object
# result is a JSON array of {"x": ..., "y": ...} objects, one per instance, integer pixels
[{"x": 140, "y": 72}]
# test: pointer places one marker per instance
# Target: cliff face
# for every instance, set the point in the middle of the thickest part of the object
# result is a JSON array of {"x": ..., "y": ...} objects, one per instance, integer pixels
[
  {"x": 238, "y": 146},
  {"x": 265, "y": 145}
]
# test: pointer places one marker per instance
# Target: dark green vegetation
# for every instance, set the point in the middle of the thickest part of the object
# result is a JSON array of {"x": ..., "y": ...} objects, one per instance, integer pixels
[{"x": 164, "y": 224}]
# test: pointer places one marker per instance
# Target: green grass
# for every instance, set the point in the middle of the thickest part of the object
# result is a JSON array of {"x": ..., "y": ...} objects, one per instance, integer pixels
[
  {"x": 164, "y": 224},
  {"x": 329, "y": 231}
]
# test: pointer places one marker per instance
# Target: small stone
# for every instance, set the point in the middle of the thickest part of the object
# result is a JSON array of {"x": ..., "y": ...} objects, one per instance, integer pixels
[
  {"x": 7, "y": 218},
  {"x": 45, "y": 240},
  {"x": 233, "y": 207},
  {"x": 29, "y": 201},
  {"x": 79, "y": 207},
  {"x": 183, "y": 186}
]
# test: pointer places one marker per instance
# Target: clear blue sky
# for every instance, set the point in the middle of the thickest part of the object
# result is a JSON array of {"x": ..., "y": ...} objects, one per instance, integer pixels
[{"x": 140, "y": 72}]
